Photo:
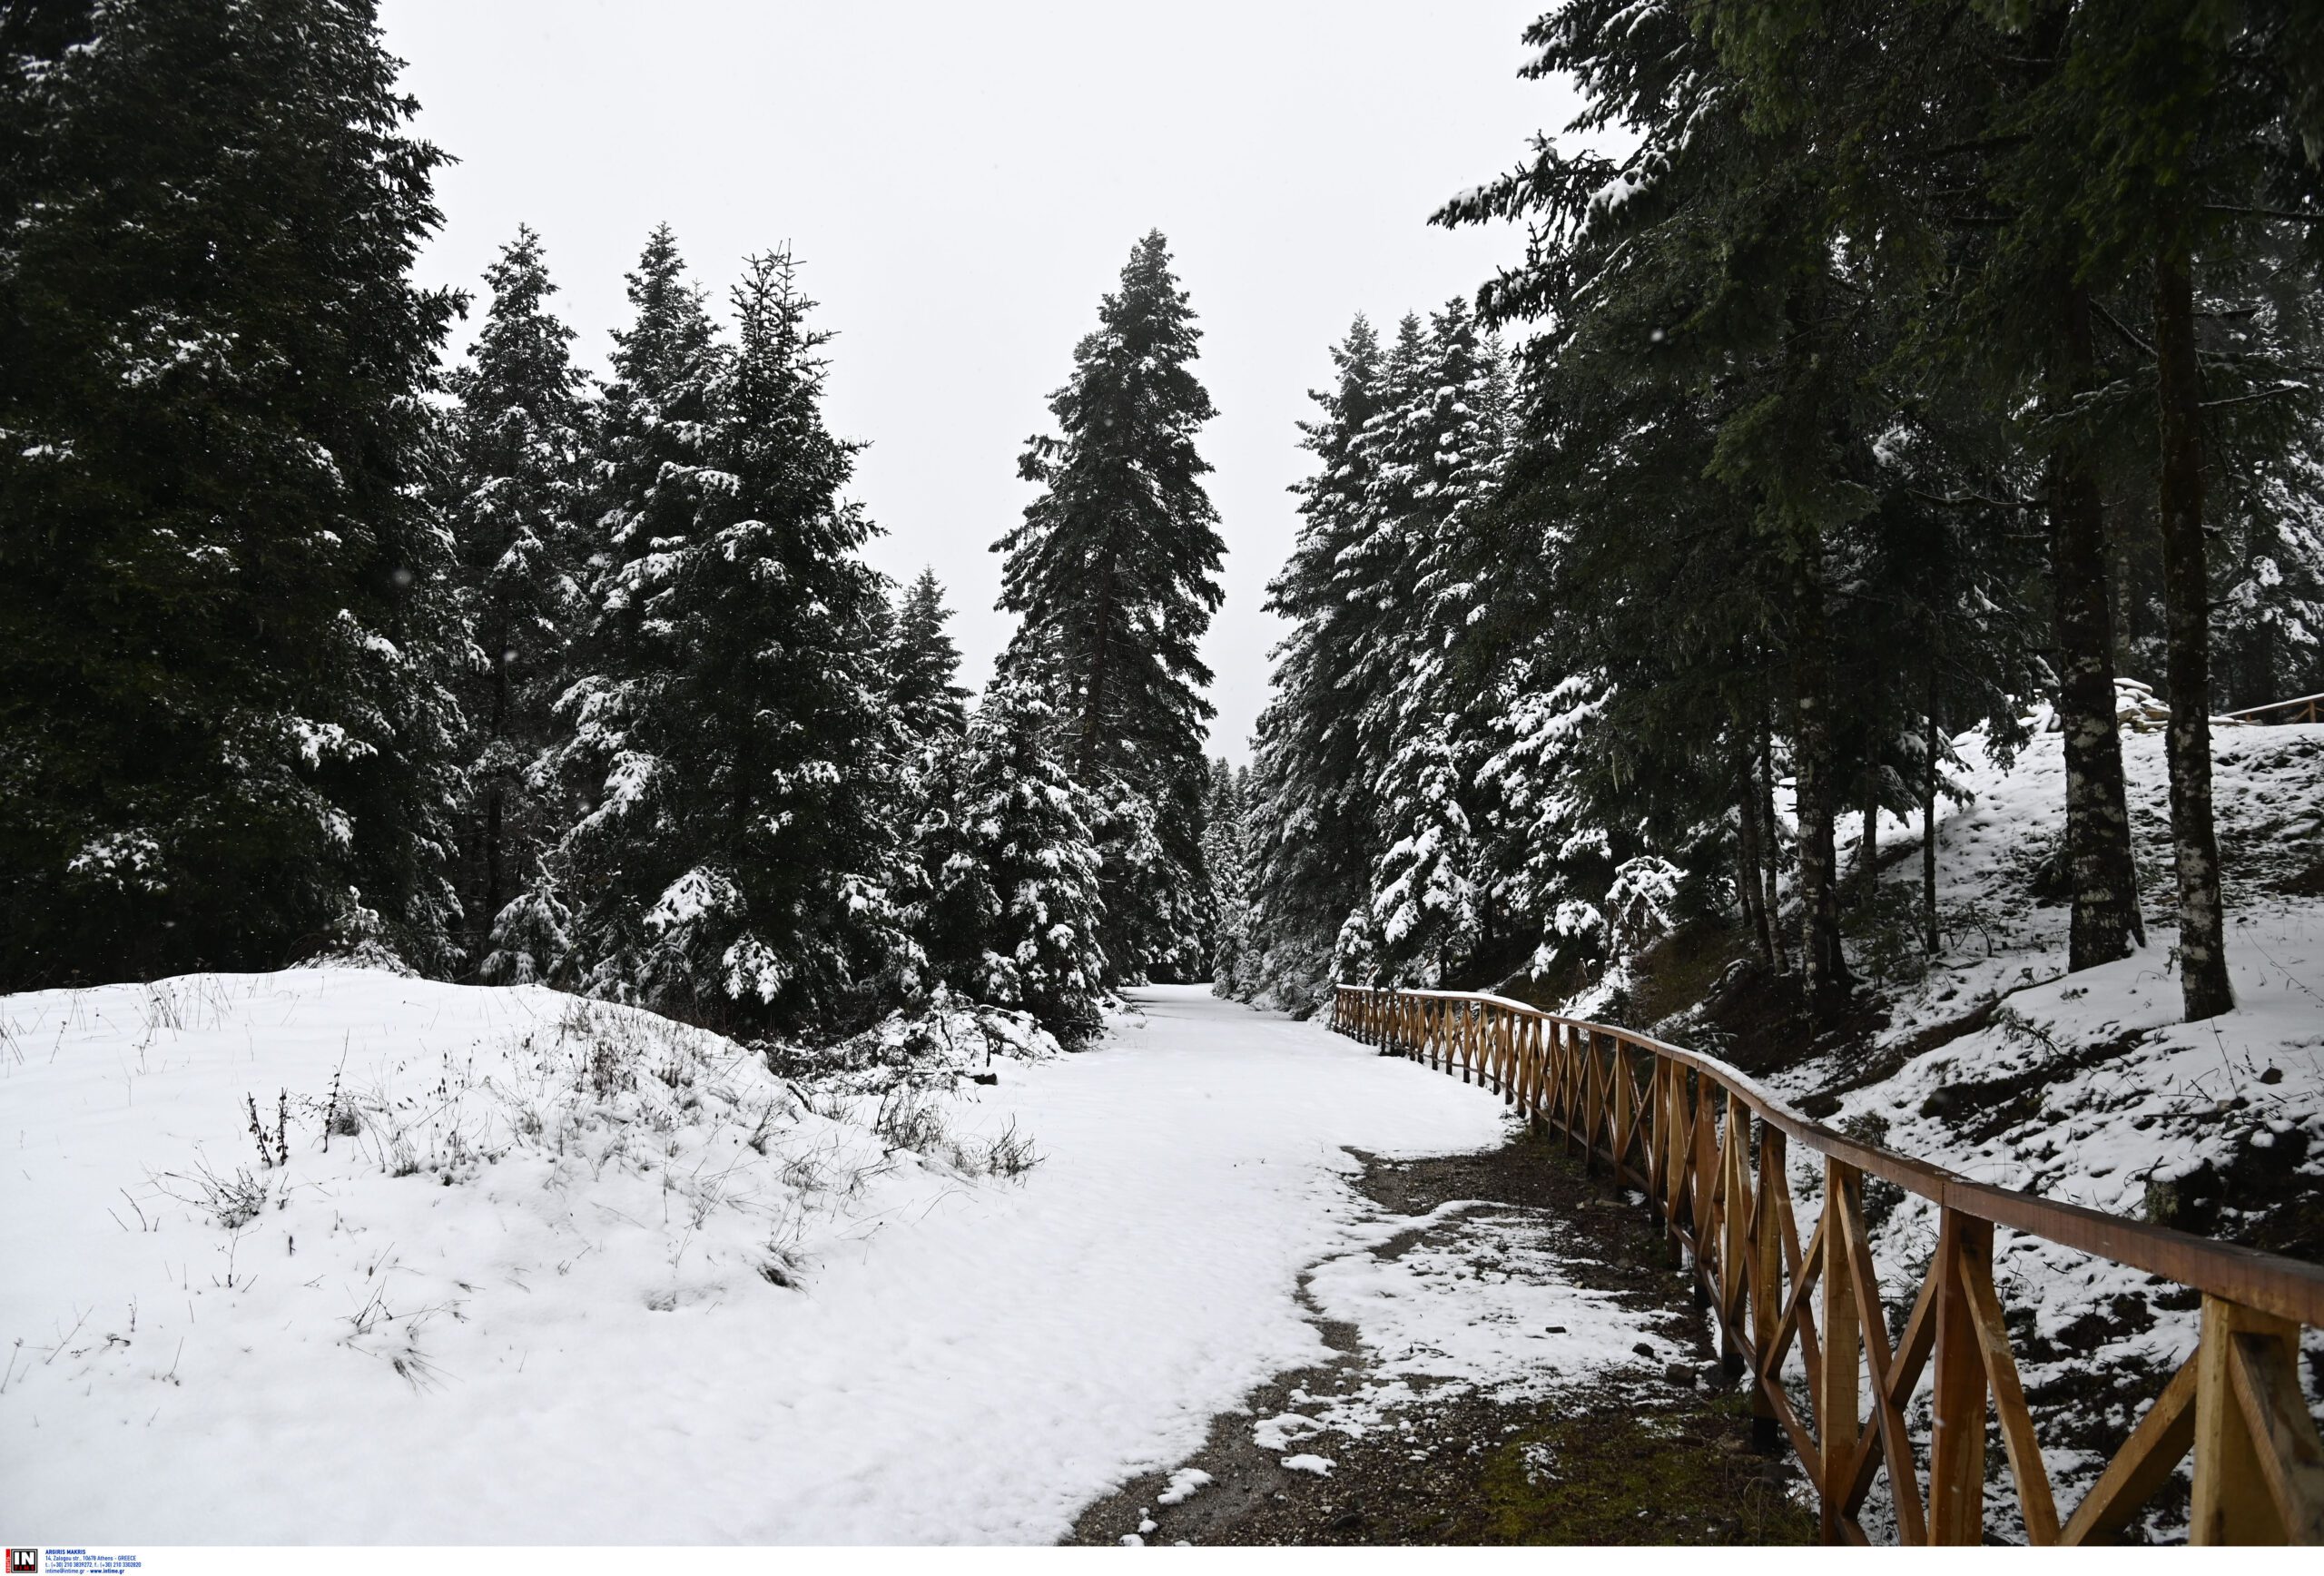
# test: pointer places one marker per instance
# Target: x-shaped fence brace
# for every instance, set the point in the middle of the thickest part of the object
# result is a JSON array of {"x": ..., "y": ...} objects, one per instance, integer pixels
[{"x": 1708, "y": 1146}]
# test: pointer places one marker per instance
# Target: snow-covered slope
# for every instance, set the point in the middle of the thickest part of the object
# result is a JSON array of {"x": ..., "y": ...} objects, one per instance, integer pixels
[
  {"x": 1997, "y": 1063},
  {"x": 2130, "y": 1100},
  {"x": 572, "y": 1273}
]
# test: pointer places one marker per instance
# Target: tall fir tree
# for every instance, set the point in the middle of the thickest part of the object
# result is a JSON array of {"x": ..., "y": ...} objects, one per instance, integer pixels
[
  {"x": 226, "y": 731},
  {"x": 1311, "y": 822},
  {"x": 518, "y": 443},
  {"x": 1115, "y": 567},
  {"x": 650, "y": 474},
  {"x": 742, "y": 855},
  {"x": 1435, "y": 452}
]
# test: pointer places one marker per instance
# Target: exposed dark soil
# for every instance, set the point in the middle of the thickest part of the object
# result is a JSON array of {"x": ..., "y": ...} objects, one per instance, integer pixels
[{"x": 1662, "y": 1454}]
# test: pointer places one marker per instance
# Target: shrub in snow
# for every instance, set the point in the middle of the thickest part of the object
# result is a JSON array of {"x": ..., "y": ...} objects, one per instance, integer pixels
[{"x": 949, "y": 1038}]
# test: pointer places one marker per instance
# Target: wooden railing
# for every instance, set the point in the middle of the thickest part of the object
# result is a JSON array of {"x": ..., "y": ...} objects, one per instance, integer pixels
[
  {"x": 1708, "y": 1148},
  {"x": 2299, "y": 709}
]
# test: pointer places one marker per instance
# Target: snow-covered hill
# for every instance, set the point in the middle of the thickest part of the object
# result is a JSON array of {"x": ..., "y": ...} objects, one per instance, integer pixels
[
  {"x": 1994, "y": 1062},
  {"x": 499, "y": 1265},
  {"x": 2088, "y": 1086}
]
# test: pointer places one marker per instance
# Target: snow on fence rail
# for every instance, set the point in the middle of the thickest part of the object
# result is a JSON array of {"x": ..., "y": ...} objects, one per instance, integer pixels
[
  {"x": 2299, "y": 709},
  {"x": 1706, "y": 1145}
]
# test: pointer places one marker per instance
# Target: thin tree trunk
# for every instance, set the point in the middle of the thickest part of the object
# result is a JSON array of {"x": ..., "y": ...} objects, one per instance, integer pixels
[
  {"x": 1822, "y": 965},
  {"x": 494, "y": 868},
  {"x": 2098, "y": 820},
  {"x": 1748, "y": 863},
  {"x": 496, "y": 859},
  {"x": 1868, "y": 846},
  {"x": 1930, "y": 742},
  {"x": 2186, "y": 589},
  {"x": 1093, "y": 713},
  {"x": 2122, "y": 525},
  {"x": 1772, "y": 899}
]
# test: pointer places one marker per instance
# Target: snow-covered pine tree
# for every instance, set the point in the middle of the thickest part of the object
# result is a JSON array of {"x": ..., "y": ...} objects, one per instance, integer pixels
[
  {"x": 1032, "y": 865},
  {"x": 1311, "y": 825},
  {"x": 1427, "y": 901},
  {"x": 930, "y": 705},
  {"x": 1436, "y": 467},
  {"x": 517, "y": 446},
  {"x": 652, "y": 474},
  {"x": 1372, "y": 572},
  {"x": 769, "y": 870},
  {"x": 226, "y": 737},
  {"x": 1435, "y": 459},
  {"x": 1689, "y": 294},
  {"x": 946, "y": 896},
  {"x": 1368, "y": 755},
  {"x": 2270, "y": 605},
  {"x": 952, "y": 906},
  {"x": 1116, "y": 564},
  {"x": 1227, "y": 858}
]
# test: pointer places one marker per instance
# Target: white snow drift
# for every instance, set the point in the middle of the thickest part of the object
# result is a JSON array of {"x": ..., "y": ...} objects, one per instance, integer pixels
[{"x": 570, "y": 1273}]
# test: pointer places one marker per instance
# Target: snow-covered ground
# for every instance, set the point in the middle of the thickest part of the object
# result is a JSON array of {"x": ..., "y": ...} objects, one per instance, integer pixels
[
  {"x": 1487, "y": 1302},
  {"x": 2087, "y": 1087},
  {"x": 570, "y": 1273}
]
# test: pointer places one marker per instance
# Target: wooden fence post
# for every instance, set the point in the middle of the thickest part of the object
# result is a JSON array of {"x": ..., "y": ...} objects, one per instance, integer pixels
[
  {"x": 1734, "y": 1219},
  {"x": 1956, "y": 1448},
  {"x": 1674, "y": 1163},
  {"x": 1710, "y": 1152},
  {"x": 1650, "y": 1128},
  {"x": 1593, "y": 1097},
  {"x": 1766, "y": 1278},
  {"x": 1835, "y": 1392},
  {"x": 2258, "y": 1478}
]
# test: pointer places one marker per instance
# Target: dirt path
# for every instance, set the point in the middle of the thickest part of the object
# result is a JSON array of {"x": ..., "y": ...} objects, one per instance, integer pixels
[{"x": 1655, "y": 1453}]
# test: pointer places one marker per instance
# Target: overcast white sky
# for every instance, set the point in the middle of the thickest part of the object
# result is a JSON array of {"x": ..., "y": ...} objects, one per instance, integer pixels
[{"x": 963, "y": 180}]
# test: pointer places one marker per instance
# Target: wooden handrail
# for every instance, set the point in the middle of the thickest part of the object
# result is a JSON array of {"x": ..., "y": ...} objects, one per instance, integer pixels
[
  {"x": 2305, "y": 707},
  {"x": 1705, "y": 1144}
]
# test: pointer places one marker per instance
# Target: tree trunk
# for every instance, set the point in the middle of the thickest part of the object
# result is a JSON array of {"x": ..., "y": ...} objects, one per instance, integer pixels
[
  {"x": 2098, "y": 820},
  {"x": 1748, "y": 863},
  {"x": 1823, "y": 966},
  {"x": 496, "y": 859},
  {"x": 1930, "y": 744},
  {"x": 1868, "y": 846},
  {"x": 1771, "y": 899},
  {"x": 1094, "y": 702},
  {"x": 2186, "y": 589},
  {"x": 493, "y": 869}
]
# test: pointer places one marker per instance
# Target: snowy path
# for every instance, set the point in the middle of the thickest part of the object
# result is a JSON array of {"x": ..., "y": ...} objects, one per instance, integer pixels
[{"x": 968, "y": 1362}]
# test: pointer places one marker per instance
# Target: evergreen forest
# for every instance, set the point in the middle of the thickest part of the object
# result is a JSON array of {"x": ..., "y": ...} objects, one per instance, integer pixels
[{"x": 1865, "y": 373}]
